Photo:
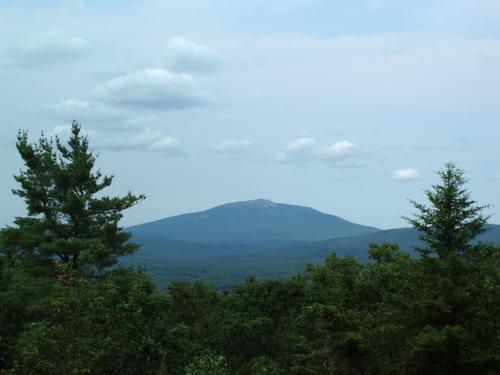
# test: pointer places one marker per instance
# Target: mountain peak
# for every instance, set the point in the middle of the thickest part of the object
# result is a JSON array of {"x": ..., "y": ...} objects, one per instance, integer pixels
[{"x": 255, "y": 203}]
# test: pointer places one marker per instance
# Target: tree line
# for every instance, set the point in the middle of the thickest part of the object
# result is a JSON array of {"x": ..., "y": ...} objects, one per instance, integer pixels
[{"x": 67, "y": 308}]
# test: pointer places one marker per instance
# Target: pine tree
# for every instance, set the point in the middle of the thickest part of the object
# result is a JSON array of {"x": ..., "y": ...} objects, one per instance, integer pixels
[
  {"x": 69, "y": 219},
  {"x": 453, "y": 220}
]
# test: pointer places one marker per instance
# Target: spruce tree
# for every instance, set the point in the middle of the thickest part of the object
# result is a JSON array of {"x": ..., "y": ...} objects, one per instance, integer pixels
[
  {"x": 68, "y": 218},
  {"x": 453, "y": 219},
  {"x": 454, "y": 278}
]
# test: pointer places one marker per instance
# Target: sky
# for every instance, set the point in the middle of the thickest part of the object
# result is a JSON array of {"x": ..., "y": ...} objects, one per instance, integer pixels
[{"x": 349, "y": 107}]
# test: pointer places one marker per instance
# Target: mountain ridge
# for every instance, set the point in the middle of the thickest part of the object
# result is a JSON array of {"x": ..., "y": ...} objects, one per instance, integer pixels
[{"x": 253, "y": 221}]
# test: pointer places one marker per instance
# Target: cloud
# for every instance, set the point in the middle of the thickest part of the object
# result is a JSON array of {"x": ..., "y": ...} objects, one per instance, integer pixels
[
  {"x": 183, "y": 55},
  {"x": 301, "y": 145},
  {"x": 88, "y": 113},
  {"x": 379, "y": 71},
  {"x": 49, "y": 48},
  {"x": 69, "y": 106},
  {"x": 338, "y": 149},
  {"x": 60, "y": 130},
  {"x": 305, "y": 150},
  {"x": 233, "y": 146},
  {"x": 405, "y": 174},
  {"x": 105, "y": 117},
  {"x": 63, "y": 131},
  {"x": 148, "y": 140},
  {"x": 152, "y": 89}
]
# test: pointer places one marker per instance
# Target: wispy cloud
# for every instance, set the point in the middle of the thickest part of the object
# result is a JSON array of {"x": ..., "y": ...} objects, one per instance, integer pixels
[
  {"x": 148, "y": 140},
  {"x": 184, "y": 55},
  {"x": 90, "y": 113},
  {"x": 48, "y": 48},
  {"x": 233, "y": 146}
]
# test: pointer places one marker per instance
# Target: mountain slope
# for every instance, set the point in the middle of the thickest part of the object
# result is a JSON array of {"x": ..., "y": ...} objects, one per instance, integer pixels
[
  {"x": 256, "y": 221},
  {"x": 406, "y": 238},
  {"x": 226, "y": 264}
]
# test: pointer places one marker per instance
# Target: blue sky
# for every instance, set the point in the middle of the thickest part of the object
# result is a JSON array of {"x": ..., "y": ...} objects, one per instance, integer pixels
[{"x": 348, "y": 107}]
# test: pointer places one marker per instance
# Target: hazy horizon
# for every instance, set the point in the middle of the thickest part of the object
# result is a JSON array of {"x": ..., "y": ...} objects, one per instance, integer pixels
[{"x": 345, "y": 107}]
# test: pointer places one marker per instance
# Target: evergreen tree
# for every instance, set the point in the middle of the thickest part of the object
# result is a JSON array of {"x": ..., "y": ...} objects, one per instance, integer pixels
[
  {"x": 455, "y": 278},
  {"x": 453, "y": 220},
  {"x": 68, "y": 218}
]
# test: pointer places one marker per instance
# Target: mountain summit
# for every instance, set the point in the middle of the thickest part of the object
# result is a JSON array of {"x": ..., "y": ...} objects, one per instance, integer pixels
[{"x": 253, "y": 221}]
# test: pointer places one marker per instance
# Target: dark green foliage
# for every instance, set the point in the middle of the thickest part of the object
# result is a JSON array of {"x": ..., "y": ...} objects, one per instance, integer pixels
[
  {"x": 453, "y": 220},
  {"x": 68, "y": 219},
  {"x": 207, "y": 364},
  {"x": 455, "y": 275},
  {"x": 341, "y": 317},
  {"x": 106, "y": 327},
  {"x": 25, "y": 294}
]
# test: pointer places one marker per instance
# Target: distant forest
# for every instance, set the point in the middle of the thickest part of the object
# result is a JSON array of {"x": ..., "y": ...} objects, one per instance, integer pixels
[{"x": 68, "y": 306}]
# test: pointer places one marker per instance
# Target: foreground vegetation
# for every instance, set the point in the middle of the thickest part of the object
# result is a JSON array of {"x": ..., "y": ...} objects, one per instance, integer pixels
[{"x": 64, "y": 310}]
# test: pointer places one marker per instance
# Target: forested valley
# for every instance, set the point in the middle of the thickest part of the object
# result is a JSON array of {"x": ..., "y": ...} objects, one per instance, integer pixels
[{"x": 67, "y": 308}]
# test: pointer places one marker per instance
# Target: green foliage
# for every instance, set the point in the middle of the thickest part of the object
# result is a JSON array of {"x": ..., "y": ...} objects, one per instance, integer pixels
[
  {"x": 265, "y": 366},
  {"x": 207, "y": 364},
  {"x": 25, "y": 294},
  {"x": 95, "y": 327},
  {"x": 453, "y": 219},
  {"x": 68, "y": 219},
  {"x": 455, "y": 274}
]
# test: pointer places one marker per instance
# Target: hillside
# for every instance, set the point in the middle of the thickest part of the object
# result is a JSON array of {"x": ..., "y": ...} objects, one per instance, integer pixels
[{"x": 357, "y": 246}]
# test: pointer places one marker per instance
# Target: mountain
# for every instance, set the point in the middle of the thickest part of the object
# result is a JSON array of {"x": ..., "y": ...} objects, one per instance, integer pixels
[
  {"x": 226, "y": 244},
  {"x": 255, "y": 221}
]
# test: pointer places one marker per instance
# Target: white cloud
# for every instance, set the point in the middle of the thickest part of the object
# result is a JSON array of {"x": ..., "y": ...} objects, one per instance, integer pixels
[
  {"x": 233, "y": 146},
  {"x": 52, "y": 47},
  {"x": 184, "y": 55},
  {"x": 305, "y": 150},
  {"x": 148, "y": 140},
  {"x": 338, "y": 149},
  {"x": 301, "y": 145},
  {"x": 405, "y": 174},
  {"x": 165, "y": 144},
  {"x": 152, "y": 89}
]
